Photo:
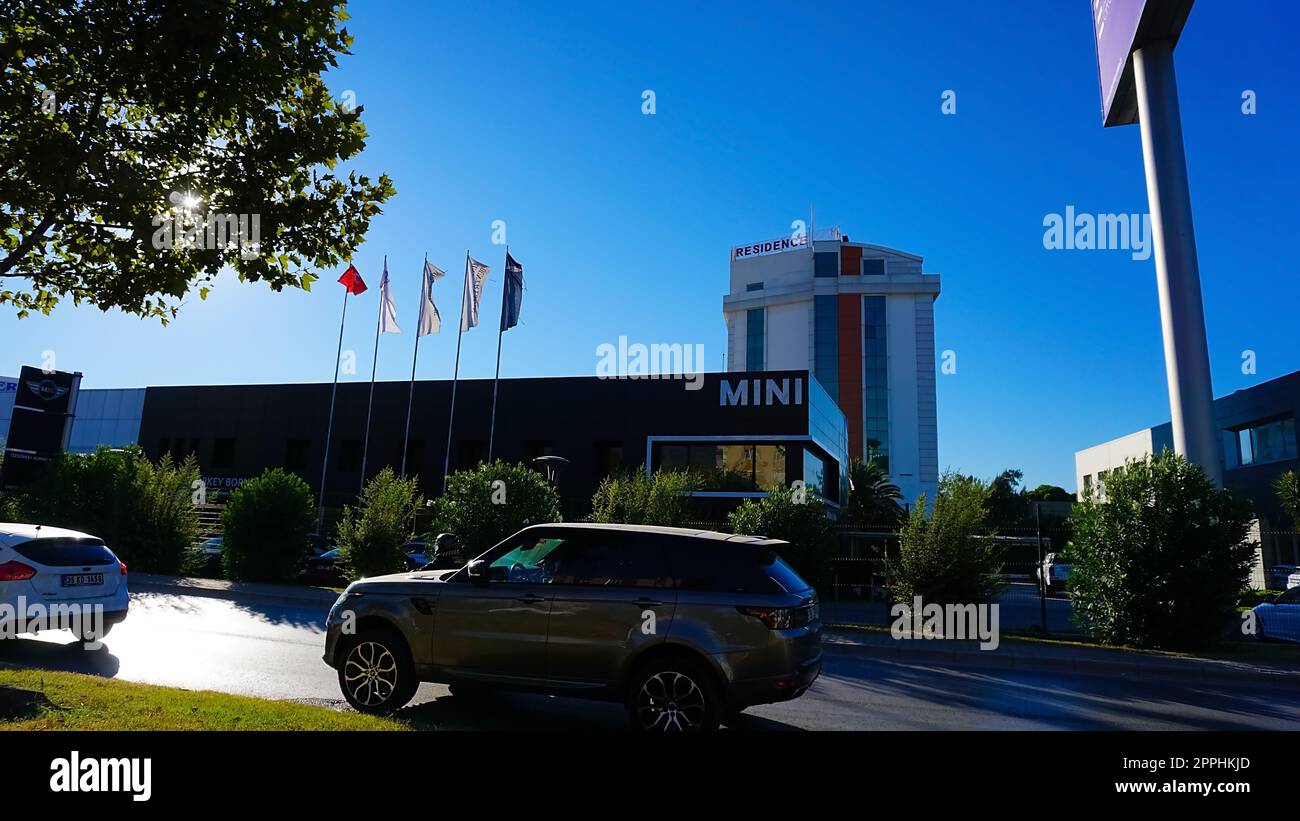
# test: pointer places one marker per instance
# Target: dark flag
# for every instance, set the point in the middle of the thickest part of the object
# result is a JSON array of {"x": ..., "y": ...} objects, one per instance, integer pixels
[{"x": 512, "y": 298}]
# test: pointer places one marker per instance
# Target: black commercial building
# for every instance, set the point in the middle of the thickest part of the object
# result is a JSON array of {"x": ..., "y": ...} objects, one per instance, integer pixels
[{"x": 748, "y": 430}]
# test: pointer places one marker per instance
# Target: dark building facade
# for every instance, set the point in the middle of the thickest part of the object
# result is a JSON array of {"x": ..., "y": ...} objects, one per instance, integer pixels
[{"x": 749, "y": 430}]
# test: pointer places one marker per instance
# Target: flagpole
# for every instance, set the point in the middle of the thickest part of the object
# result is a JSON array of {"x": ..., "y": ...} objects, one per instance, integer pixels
[
  {"x": 329, "y": 428},
  {"x": 492, "y": 430},
  {"x": 379, "y": 321},
  {"x": 455, "y": 376},
  {"x": 410, "y": 400}
]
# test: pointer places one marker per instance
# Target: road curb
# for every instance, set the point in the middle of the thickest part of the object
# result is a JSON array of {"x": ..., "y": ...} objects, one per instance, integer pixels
[
  {"x": 1206, "y": 671},
  {"x": 221, "y": 589}
]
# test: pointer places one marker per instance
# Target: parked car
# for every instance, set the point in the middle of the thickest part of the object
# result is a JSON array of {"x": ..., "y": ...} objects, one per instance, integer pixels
[
  {"x": 1280, "y": 618},
  {"x": 207, "y": 555},
  {"x": 325, "y": 570},
  {"x": 682, "y": 626},
  {"x": 1279, "y": 577},
  {"x": 51, "y": 566},
  {"x": 1052, "y": 574}
]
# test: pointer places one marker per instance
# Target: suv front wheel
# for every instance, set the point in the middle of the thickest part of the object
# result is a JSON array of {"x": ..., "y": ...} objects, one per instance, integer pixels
[
  {"x": 376, "y": 674},
  {"x": 674, "y": 694}
]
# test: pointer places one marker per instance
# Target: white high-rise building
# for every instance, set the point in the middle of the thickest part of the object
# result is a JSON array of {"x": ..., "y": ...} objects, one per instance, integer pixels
[{"x": 860, "y": 318}]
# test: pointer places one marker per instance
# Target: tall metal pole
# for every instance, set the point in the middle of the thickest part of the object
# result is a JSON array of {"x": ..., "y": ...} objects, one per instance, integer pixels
[
  {"x": 1182, "y": 314},
  {"x": 329, "y": 428},
  {"x": 370, "y": 406},
  {"x": 410, "y": 399},
  {"x": 492, "y": 428},
  {"x": 1042, "y": 566},
  {"x": 455, "y": 376}
]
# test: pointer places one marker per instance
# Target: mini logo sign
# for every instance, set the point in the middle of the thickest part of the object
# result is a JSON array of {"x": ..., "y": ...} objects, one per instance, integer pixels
[
  {"x": 46, "y": 389},
  {"x": 760, "y": 391}
]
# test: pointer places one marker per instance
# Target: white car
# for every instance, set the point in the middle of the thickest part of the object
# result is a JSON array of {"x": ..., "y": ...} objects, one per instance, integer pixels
[
  {"x": 1280, "y": 618},
  {"x": 51, "y": 578},
  {"x": 1052, "y": 574}
]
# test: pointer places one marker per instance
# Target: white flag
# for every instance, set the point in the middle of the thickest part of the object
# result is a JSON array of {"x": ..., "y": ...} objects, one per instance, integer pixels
[
  {"x": 387, "y": 310},
  {"x": 476, "y": 274},
  {"x": 430, "y": 320}
]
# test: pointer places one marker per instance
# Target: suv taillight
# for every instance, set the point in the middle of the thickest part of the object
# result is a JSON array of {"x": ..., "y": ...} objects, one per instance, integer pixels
[
  {"x": 776, "y": 618},
  {"x": 122, "y": 565},
  {"x": 16, "y": 572}
]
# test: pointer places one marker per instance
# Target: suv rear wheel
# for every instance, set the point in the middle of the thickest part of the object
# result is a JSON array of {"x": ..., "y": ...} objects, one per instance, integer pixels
[
  {"x": 674, "y": 694},
  {"x": 376, "y": 675}
]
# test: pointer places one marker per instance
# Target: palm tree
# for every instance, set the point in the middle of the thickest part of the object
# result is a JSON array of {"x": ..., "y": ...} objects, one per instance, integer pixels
[{"x": 873, "y": 499}]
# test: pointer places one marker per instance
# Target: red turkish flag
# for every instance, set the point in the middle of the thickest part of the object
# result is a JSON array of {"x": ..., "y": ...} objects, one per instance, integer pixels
[{"x": 352, "y": 280}]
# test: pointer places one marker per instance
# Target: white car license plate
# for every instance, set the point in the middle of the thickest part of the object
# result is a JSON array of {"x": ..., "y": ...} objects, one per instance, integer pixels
[{"x": 83, "y": 579}]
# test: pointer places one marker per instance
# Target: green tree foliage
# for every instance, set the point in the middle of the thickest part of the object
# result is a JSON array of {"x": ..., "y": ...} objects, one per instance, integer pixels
[
  {"x": 1049, "y": 493},
  {"x": 141, "y": 509},
  {"x": 484, "y": 505},
  {"x": 951, "y": 557},
  {"x": 873, "y": 501},
  {"x": 1287, "y": 487},
  {"x": 663, "y": 498},
  {"x": 1159, "y": 563},
  {"x": 265, "y": 527},
  {"x": 370, "y": 537},
  {"x": 116, "y": 110},
  {"x": 800, "y": 520}
]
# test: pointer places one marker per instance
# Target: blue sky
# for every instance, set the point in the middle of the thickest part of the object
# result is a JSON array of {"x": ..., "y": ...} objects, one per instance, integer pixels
[{"x": 531, "y": 113}]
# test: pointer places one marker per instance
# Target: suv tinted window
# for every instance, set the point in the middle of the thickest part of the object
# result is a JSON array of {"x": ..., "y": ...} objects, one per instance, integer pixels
[
  {"x": 526, "y": 560},
  {"x": 701, "y": 565},
  {"x": 611, "y": 560}
]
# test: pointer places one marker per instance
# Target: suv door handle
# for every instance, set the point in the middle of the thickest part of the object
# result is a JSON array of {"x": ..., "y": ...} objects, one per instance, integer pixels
[
  {"x": 645, "y": 602},
  {"x": 532, "y": 598}
]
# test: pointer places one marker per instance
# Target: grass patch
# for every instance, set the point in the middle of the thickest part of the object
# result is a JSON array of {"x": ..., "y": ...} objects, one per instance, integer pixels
[{"x": 81, "y": 702}]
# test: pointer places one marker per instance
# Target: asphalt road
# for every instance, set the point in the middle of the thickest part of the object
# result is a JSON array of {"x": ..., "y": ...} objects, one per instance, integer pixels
[{"x": 273, "y": 651}]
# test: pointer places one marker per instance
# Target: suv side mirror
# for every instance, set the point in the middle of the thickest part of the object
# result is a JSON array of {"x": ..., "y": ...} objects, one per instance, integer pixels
[{"x": 477, "y": 571}]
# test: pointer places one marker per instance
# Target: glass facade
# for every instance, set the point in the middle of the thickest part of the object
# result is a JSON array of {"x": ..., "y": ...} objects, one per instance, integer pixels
[
  {"x": 754, "y": 339},
  {"x": 730, "y": 466},
  {"x": 1267, "y": 442},
  {"x": 875, "y": 380},
  {"x": 826, "y": 344}
]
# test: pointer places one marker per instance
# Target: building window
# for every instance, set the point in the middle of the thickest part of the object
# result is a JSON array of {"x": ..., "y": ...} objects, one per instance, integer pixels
[
  {"x": 769, "y": 466},
  {"x": 1087, "y": 485},
  {"x": 826, "y": 344},
  {"x": 873, "y": 267},
  {"x": 754, "y": 339},
  {"x": 608, "y": 459},
  {"x": 814, "y": 472},
  {"x": 875, "y": 380},
  {"x": 826, "y": 264},
  {"x": 754, "y": 286},
  {"x": 349, "y": 455},
  {"x": 223, "y": 454},
  {"x": 726, "y": 467},
  {"x": 1272, "y": 441},
  {"x": 295, "y": 455}
]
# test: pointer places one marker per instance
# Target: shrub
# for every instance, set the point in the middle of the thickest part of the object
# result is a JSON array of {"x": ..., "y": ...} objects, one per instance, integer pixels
[
  {"x": 482, "y": 513},
  {"x": 265, "y": 527},
  {"x": 370, "y": 537},
  {"x": 141, "y": 509},
  {"x": 1287, "y": 488},
  {"x": 951, "y": 557},
  {"x": 1160, "y": 562},
  {"x": 663, "y": 498},
  {"x": 801, "y": 521}
]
